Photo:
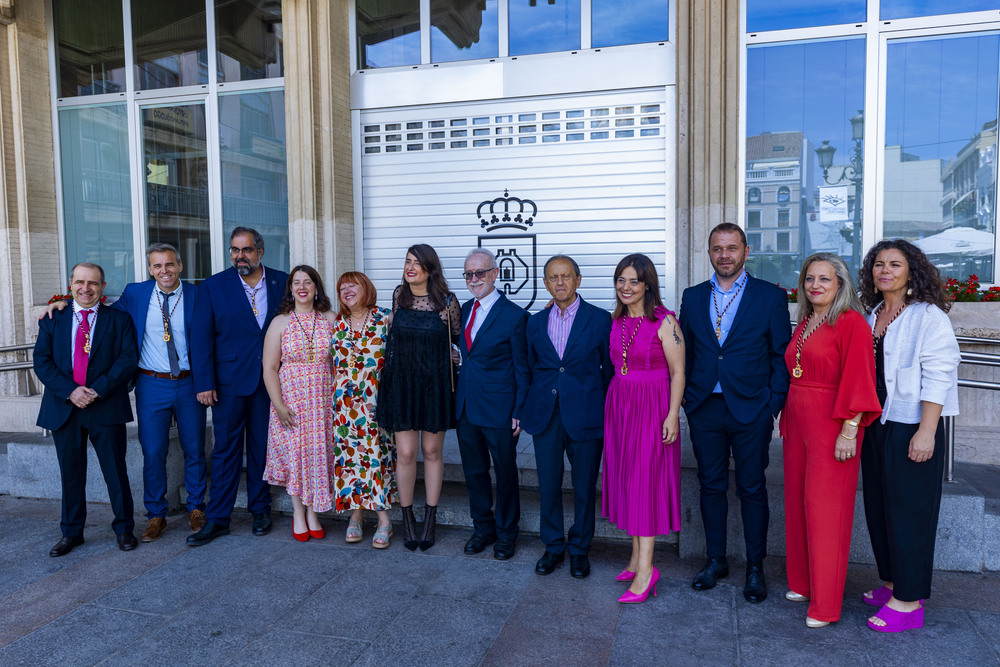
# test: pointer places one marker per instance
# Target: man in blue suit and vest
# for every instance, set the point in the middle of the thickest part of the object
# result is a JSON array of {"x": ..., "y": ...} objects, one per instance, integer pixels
[
  {"x": 492, "y": 384},
  {"x": 736, "y": 328},
  {"x": 231, "y": 316},
  {"x": 85, "y": 356},
  {"x": 568, "y": 354}
]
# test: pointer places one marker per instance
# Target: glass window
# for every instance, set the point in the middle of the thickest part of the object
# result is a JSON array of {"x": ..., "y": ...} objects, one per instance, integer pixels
[
  {"x": 633, "y": 22},
  {"x": 170, "y": 43},
  {"x": 784, "y": 194},
  {"x": 464, "y": 30},
  {"x": 799, "y": 96},
  {"x": 388, "y": 33},
  {"x": 250, "y": 39},
  {"x": 941, "y": 147},
  {"x": 753, "y": 240},
  {"x": 783, "y": 217},
  {"x": 90, "y": 46},
  {"x": 901, "y": 9},
  {"x": 97, "y": 198},
  {"x": 783, "y": 241},
  {"x": 254, "y": 171},
  {"x": 753, "y": 219},
  {"x": 753, "y": 195},
  {"x": 765, "y": 15},
  {"x": 544, "y": 26}
]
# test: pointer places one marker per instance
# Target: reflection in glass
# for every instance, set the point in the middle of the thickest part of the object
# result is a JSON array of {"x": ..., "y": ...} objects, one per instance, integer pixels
[
  {"x": 798, "y": 97},
  {"x": 901, "y": 9},
  {"x": 388, "y": 33},
  {"x": 941, "y": 147},
  {"x": 249, "y": 39},
  {"x": 543, "y": 26},
  {"x": 254, "y": 172},
  {"x": 464, "y": 30},
  {"x": 784, "y": 14},
  {"x": 90, "y": 46},
  {"x": 176, "y": 167},
  {"x": 634, "y": 22},
  {"x": 170, "y": 42},
  {"x": 97, "y": 199}
]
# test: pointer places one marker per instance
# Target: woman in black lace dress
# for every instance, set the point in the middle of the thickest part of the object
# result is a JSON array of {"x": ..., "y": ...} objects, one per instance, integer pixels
[{"x": 415, "y": 399}]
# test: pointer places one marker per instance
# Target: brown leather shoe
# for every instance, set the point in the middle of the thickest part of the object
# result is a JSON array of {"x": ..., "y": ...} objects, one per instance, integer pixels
[
  {"x": 154, "y": 529},
  {"x": 197, "y": 520}
]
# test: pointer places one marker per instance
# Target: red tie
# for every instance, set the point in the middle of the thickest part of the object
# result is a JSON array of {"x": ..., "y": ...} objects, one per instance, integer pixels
[
  {"x": 80, "y": 355},
  {"x": 468, "y": 327}
]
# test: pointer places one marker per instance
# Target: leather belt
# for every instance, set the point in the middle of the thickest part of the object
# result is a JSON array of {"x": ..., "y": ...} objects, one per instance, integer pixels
[{"x": 165, "y": 376}]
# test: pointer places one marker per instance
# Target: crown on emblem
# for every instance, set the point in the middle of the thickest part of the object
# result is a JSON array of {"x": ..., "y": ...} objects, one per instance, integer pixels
[{"x": 507, "y": 211}]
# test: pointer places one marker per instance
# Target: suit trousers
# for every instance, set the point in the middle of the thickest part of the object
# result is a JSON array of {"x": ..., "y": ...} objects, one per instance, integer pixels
[
  {"x": 71, "y": 450},
  {"x": 902, "y": 501},
  {"x": 715, "y": 434},
  {"x": 585, "y": 464},
  {"x": 239, "y": 423},
  {"x": 477, "y": 445},
  {"x": 156, "y": 401}
]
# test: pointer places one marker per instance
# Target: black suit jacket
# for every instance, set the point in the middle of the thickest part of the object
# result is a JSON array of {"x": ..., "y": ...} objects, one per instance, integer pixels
[
  {"x": 750, "y": 365},
  {"x": 114, "y": 357}
]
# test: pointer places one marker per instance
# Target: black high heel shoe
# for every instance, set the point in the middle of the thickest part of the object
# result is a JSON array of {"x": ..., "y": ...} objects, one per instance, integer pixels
[
  {"x": 430, "y": 521},
  {"x": 409, "y": 528}
]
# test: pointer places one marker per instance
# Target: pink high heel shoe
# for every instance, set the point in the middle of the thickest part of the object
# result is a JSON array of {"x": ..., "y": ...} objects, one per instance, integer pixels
[
  {"x": 879, "y": 597},
  {"x": 626, "y": 575},
  {"x": 898, "y": 621},
  {"x": 635, "y": 598}
]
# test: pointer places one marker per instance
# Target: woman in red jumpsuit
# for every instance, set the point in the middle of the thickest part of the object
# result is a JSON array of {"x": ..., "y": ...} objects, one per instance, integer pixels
[{"x": 831, "y": 399}]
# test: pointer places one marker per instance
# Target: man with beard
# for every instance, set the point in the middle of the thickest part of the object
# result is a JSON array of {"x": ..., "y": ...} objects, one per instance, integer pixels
[
  {"x": 231, "y": 314},
  {"x": 736, "y": 328}
]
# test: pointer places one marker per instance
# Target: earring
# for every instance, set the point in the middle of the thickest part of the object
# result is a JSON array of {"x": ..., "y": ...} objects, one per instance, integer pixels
[{"x": 909, "y": 291}]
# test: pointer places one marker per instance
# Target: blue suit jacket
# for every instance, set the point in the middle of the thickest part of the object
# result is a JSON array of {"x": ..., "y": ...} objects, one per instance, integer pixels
[
  {"x": 227, "y": 346},
  {"x": 135, "y": 301},
  {"x": 113, "y": 360},
  {"x": 493, "y": 379},
  {"x": 580, "y": 379},
  {"x": 750, "y": 365}
]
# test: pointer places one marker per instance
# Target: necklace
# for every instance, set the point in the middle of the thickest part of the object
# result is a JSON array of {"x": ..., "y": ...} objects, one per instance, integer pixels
[
  {"x": 168, "y": 317},
  {"x": 310, "y": 338},
  {"x": 86, "y": 334},
  {"x": 252, "y": 293},
  {"x": 876, "y": 337},
  {"x": 356, "y": 336},
  {"x": 797, "y": 371},
  {"x": 718, "y": 318},
  {"x": 627, "y": 345}
]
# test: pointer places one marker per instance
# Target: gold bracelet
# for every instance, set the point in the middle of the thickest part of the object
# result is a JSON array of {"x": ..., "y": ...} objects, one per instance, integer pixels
[
  {"x": 846, "y": 438},
  {"x": 851, "y": 423}
]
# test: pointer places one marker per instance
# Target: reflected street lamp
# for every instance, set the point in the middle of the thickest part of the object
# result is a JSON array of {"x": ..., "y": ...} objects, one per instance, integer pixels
[{"x": 853, "y": 173}]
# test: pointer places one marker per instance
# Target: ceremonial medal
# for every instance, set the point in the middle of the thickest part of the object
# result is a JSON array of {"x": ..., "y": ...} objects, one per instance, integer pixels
[
  {"x": 311, "y": 355},
  {"x": 797, "y": 371},
  {"x": 166, "y": 337},
  {"x": 627, "y": 345},
  {"x": 718, "y": 318},
  {"x": 167, "y": 316},
  {"x": 86, "y": 344}
]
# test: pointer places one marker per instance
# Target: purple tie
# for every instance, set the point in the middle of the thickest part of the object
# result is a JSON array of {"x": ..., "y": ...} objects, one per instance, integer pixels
[{"x": 80, "y": 355}]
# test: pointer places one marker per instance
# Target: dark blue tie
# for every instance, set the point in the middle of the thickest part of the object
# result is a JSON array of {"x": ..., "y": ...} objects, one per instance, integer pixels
[{"x": 175, "y": 366}]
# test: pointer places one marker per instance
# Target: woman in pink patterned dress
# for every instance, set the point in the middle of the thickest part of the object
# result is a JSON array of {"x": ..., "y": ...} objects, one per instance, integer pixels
[
  {"x": 364, "y": 457},
  {"x": 298, "y": 379}
]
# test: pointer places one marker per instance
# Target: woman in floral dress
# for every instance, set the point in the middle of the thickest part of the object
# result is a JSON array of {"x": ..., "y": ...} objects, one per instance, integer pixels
[
  {"x": 298, "y": 380},
  {"x": 363, "y": 452}
]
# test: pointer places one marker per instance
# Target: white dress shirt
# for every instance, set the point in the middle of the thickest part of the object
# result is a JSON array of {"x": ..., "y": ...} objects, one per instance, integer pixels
[{"x": 484, "y": 309}]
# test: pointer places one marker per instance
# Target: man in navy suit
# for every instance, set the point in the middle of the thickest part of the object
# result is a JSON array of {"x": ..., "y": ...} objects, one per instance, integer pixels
[
  {"x": 492, "y": 384},
  {"x": 231, "y": 315},
  {"x": 85, "y": 357},
  {"x": 569, "y": 358},
  {"x": 736, "y": 328}
]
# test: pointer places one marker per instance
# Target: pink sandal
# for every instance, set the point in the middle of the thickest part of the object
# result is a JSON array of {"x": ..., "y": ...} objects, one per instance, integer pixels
[
  {"x": 897, "y": 621},
  {"x": 880, "y": 596}
]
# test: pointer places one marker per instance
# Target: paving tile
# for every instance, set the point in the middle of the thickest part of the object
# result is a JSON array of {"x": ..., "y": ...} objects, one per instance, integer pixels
[
  {"x": 482, "y": 580},
  {"x": 24, "y": 553},
  {"x": 949, "y": 636},
  {"x": 987, "y": 625},
  {"x": 283, "y": 647}
]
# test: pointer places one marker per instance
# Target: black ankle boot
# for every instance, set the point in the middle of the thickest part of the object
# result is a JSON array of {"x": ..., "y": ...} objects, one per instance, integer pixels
[
  {"x": 409, "y": 528},
  {"x": 430, "y": 521}
]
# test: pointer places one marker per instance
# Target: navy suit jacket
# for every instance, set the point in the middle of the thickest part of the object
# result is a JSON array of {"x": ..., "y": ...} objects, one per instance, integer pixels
[
  {"x": 493, "y": 378},
  {"x": 113, "y": 360},
  {"x": 227, "y": 346},
  {"x": 750, "y": 365},
  {"x": 580, "y": 379},
  {"x": 135, "y": 301}
]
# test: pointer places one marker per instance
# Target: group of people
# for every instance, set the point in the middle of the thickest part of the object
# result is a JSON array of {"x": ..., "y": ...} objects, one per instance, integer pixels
[{"x": 335, "y": 402}]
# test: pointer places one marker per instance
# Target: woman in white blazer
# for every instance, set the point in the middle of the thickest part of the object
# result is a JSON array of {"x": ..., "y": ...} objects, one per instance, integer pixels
[{"x": 902, "y": 456}]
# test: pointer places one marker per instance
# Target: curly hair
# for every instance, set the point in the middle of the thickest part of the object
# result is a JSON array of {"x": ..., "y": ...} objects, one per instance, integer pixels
[
  {"x": 321, "y": 302},
  {"x": 924, "y": 280}
]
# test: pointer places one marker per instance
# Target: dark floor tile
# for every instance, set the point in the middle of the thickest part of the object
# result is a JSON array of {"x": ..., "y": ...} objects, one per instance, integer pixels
[
  {"x": 949, "y": 636},
  {"x": 279, "y": 648},
  {"x": 482, "y": 580},
  {"x": 988, "y": 625}
]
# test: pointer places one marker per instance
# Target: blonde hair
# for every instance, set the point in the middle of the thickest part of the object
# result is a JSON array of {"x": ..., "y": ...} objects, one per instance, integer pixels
[{"x": 847, "y": 296}]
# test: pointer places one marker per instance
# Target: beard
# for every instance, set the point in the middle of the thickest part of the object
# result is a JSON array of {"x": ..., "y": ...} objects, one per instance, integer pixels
[
  {"x": 733, "y": 270},
  {"x": 246, "y": 268}
]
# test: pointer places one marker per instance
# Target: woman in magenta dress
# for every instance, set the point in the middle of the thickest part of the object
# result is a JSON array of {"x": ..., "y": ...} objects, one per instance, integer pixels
[{"x": 642, "y": 457}]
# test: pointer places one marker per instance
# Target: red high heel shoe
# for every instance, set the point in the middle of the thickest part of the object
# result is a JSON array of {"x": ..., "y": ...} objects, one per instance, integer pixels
[
  {"x": 301, "y": 537},
  {"x": 635, "y": 598},
  {"x": 317, "y": 534}
]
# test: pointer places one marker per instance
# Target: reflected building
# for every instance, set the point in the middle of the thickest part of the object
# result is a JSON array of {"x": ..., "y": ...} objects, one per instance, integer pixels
[
  {"x": 968, "y": 183},
  {"x": 912, "y": 194}
]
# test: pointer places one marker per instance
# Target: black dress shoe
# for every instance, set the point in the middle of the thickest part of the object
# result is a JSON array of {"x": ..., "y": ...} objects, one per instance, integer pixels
[
  {"x": 207, "y": 534},
  {"x": 503, "y": 549},
  {"x": 65, "y": 545},
  {"x": 127, "y": 541},
  {"x": 579, "y": 566},
  {"x": 547, "y": 563},
  {"x": 479, "y": 542},
  {"x": 755, "y": 589},
  {"x": 715, "y": 569},
  {"x": 261, "y": 524}
]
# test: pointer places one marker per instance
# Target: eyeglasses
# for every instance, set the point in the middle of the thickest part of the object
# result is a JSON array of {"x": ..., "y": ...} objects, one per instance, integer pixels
[
  {"x": 233, "y": 250},
  {"x": 480, "y": 274}
]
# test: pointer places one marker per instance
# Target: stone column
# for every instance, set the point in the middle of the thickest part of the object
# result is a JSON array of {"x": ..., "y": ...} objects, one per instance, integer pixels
[
  {"x": 318, "y": 135},
  {"x": 708, "y": 57}
]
